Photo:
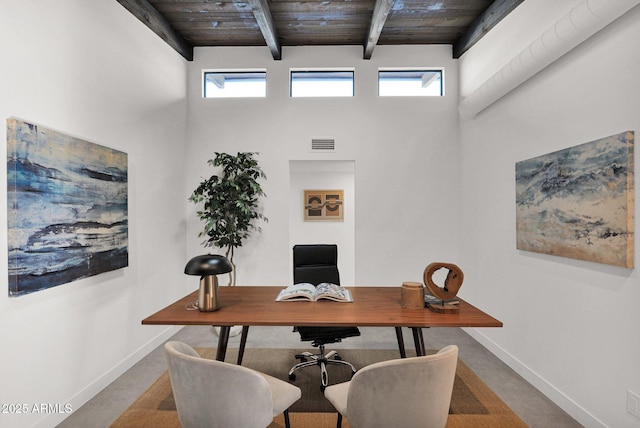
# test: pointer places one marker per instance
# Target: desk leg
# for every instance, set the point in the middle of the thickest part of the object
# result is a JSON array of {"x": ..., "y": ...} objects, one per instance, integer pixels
[
  {"x": 418, "y": 339},
  {"x": 400, "y": 342},
  {"x": 243, "y": 342},
  {"x": 223, "y": 340}
]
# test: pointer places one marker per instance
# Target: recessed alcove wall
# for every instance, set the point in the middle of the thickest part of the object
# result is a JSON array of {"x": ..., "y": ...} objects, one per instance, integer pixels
[{"x": 330, "y": 175}]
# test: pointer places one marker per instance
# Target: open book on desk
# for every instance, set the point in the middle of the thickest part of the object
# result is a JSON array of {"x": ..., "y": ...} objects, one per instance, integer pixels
[{"x": 306, "y": 291}]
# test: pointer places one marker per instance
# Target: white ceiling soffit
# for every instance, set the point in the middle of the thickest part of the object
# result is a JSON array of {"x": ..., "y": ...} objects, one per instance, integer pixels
[{"x": 583, "y": 21}]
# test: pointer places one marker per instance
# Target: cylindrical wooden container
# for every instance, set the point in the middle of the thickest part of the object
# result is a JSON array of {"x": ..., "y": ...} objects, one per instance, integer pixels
[{"x": 412, "y": 295}]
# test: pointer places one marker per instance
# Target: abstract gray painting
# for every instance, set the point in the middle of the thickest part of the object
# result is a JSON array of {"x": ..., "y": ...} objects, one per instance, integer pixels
[
  {"x": 67, "y": 208},
  {"x": 578, "y": 202}
]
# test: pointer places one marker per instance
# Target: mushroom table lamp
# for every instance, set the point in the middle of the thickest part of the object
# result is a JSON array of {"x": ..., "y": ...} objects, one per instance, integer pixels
[{"x": 208, "y": 266}]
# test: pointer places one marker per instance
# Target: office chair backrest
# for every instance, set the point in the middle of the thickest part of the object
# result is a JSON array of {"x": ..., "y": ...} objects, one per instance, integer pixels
[
  {"x": 315, "y": 263},
  {"x": 212, "y": 393},
  {"x": 408, "y": 392}
]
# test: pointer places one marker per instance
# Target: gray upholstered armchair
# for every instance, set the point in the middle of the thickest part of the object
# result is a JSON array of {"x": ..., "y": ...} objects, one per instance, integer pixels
[
  {"x": 408, "y": 393},
  {"x": 211, "y": 393}
]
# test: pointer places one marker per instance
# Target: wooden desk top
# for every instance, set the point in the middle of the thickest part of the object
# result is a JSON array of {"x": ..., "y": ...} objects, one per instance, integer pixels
[{"x": 372, "y": 306}]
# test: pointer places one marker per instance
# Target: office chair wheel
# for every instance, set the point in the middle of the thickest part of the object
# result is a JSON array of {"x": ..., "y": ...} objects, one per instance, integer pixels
[
  {"x": 292, "y": 376},
  {"x": 337, "y": 357}
]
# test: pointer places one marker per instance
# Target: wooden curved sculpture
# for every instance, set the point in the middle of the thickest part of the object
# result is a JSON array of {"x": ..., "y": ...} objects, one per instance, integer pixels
[{"x": 452, "y": 284}]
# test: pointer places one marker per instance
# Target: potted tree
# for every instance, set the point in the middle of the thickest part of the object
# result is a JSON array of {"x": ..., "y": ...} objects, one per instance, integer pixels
[{"x": 230, "y": 203}]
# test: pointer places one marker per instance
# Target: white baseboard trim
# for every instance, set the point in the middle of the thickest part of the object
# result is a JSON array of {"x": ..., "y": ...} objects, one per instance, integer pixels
[
  {"x": 577, "y": 412},
  {"x": 91, "y": 390}
]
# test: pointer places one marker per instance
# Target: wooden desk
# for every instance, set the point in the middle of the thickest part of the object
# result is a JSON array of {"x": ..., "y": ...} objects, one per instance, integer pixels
[{"x": 372, "y": 306}]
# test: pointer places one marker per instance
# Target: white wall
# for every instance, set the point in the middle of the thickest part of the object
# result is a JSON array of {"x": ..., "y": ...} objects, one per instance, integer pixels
[
  {"x": 405, "y": 151},
  {"x": 330, "y": 175},
  {"x": 91, "y": 70},
  {"x": 570, "y": 327}
]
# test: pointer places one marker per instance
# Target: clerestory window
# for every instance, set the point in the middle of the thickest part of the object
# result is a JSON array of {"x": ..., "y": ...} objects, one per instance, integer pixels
[
  {"x": 410, "y": 83},
  {"x": 235, "y": 84},
  {"x": 322, "y": 83}
]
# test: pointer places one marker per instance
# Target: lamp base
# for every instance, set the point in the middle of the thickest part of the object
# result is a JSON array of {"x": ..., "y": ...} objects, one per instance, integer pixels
[{"x": 208, "y": 300}]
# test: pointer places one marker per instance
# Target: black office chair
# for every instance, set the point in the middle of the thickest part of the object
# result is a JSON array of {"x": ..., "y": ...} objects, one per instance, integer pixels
[{"x": 316, "y": 264}]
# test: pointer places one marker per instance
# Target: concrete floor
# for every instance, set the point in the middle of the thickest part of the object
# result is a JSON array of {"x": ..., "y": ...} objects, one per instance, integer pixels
[{"x": 528, "y": 403}]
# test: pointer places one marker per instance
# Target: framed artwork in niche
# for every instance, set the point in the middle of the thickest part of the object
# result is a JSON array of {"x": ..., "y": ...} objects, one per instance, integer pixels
[
  {"x": 579, "y": 202},
  {"x": 67, "y": 208},
  {"x": 324, "y": 205}
]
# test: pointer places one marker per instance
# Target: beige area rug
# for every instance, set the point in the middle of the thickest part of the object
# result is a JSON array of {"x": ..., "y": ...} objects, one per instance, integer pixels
[{"x": 473, "y": 404}]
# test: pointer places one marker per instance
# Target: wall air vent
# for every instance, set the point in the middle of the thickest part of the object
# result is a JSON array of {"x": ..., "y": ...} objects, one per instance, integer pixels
[{"x": 323, "y": 144}]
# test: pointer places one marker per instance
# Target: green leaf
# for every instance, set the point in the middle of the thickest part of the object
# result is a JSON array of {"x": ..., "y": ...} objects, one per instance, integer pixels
[{"x": 230, "y": 200}]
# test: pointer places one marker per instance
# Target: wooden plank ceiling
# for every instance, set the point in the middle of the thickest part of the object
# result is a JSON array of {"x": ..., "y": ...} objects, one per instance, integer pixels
[{"x": 275, "y": 23}]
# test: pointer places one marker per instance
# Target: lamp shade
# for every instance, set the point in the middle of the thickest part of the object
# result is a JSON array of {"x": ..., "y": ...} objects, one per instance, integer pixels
[{"x": 208, "y": 264}]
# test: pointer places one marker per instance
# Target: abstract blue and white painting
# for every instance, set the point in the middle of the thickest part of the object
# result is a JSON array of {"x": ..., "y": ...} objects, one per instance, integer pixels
[
  {"x": 67, "y": 208},
  {"x": 578, "y": 202}
]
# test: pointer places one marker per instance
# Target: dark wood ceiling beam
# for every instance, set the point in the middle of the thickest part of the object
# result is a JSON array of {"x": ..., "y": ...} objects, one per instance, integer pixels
[
  {"x": 262, "y": 13},
  {"x": 150, "y": 16},
  {"x": 199, "y": 6},
  {"x": 485, "y": 22},
  {"x": 379, "y": 17}
]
